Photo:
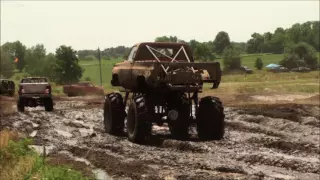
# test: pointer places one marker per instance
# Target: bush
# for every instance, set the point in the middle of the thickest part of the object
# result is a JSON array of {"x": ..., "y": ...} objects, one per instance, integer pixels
[
  {"x": 301, "y": 54},
  {"x": 291, "y": 61},
  {"x": 231, "y": 58},
  {"x": 17, "y": 78},
  {"x": 259, "y": 63}
]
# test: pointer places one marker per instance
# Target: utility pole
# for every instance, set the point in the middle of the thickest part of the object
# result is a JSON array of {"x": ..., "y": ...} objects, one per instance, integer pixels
[{"x": 99, "y": 58}]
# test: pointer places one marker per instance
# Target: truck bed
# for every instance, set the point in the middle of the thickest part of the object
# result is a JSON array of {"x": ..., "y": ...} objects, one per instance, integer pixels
[{"x": 34, "y": 88}]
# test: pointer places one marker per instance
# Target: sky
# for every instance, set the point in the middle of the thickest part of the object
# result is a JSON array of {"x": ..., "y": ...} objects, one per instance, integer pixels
[{"x": 93, "y": 24}]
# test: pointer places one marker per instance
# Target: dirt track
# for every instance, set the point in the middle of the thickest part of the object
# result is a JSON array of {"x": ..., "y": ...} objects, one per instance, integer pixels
[{"x": 262, "y": 142}]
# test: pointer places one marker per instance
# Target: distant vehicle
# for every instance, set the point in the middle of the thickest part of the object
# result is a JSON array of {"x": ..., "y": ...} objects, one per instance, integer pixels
[
  {"x": 7, "y": 87},
  {"x": 34, "y": 91},
  {"x": 301, "y": 69},
  {"x": 246, "y": 69},
  {"x": 280, "y": 69},
  {"x": 82, "y": 88},
  {"x": 283, "y": 69}
]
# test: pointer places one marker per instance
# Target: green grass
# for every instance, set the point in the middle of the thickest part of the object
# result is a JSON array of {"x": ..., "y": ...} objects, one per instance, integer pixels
[
  {"x": 92, "y": 71},
  {"x": 18, "y": 161},
  {"x": 249, "y": 60}
]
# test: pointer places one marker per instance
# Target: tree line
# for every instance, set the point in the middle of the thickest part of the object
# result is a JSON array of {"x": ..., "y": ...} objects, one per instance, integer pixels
[
  {"x": 61, "y": 67},
  {"x": 299, "y": 43},
  {"x": 267, "y": 42}
]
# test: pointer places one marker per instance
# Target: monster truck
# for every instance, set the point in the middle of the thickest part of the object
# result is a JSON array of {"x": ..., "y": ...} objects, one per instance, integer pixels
[
  {"x": 34, "y": 91},
  {"x": 164, "y": 82},
  {"x": 7, "y": 87}
]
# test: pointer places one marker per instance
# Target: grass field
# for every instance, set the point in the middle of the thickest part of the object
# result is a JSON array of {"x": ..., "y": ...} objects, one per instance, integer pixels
[{"x": 92, "y": 71}]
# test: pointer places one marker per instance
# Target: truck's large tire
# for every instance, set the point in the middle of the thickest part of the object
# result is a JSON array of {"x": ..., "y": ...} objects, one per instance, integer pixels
[
  {"x": 210, "y": 119},
  {"x": 138, "y": 126},
  {"x": 20, "y": 105},
  {"x": 48, "y": 104},
  {"x": 179, "y": 128},
  {"x": 114, "y": 114}
]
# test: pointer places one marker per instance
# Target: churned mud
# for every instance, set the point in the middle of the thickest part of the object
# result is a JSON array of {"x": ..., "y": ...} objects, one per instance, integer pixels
[{"x": 275, "y": 141}]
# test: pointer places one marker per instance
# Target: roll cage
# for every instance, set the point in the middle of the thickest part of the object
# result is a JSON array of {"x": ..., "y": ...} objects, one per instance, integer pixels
[{"x": 160, "y": 52}]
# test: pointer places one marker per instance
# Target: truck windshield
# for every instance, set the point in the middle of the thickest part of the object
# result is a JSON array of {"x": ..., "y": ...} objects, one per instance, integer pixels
[{"x": 34, "y": 80}]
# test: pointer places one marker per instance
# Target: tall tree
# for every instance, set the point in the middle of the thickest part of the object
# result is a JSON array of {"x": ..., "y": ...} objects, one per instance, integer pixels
[
  {"x": 167, "y": 39},
  {"x": 203, "y": 52},
  {"x": 256, "y": 43},
  {"x": 193, "y": 44},
  {"x": 6, "y": 64},
  {"x": 36, "y": 61},
  {"x": 67, "y": 68},
  {"x": 221, "y": 41},
  {"x": 314, "y": 36},
  {"x": 277, "y": 41},
  {"x": 10, "y": 49},
  {"x": 51, "y": 65},
  {"x": 295, "y": 33},
  {"x": 16, "y": 50}
]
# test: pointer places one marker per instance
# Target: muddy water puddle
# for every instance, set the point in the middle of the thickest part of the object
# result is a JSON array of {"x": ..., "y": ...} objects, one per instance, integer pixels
[
  {"x": 260, "y": 141},
  {"x": 43, "y": 150},
  {"x": 64, "y": 133},
  {"x": 284, "y": 97},
  {"x": 100, "y": 174}
]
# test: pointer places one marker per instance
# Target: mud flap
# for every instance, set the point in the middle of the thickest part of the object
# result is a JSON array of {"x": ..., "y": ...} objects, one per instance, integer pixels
[{"x": 215, "y": 84}]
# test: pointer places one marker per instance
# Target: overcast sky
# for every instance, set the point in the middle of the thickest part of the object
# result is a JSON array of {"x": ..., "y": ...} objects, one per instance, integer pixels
[{"x": 89, "y": 24}]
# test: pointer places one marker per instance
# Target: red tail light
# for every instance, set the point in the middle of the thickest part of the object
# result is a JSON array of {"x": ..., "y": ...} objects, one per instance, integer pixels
[
  {"x": 21, "y": 90},
  {"x": 48, "y": 90}
]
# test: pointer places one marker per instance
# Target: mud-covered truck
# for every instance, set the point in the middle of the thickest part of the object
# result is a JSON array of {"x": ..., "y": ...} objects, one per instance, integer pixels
[
  {"x": 33, "y": 92},
  {"x": 164, "y": 83},
  {"x": 82, "y": 88}
]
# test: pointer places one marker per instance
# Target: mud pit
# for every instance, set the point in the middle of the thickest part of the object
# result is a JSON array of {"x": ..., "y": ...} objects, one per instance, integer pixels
[{"x": 261, "y": 142}]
